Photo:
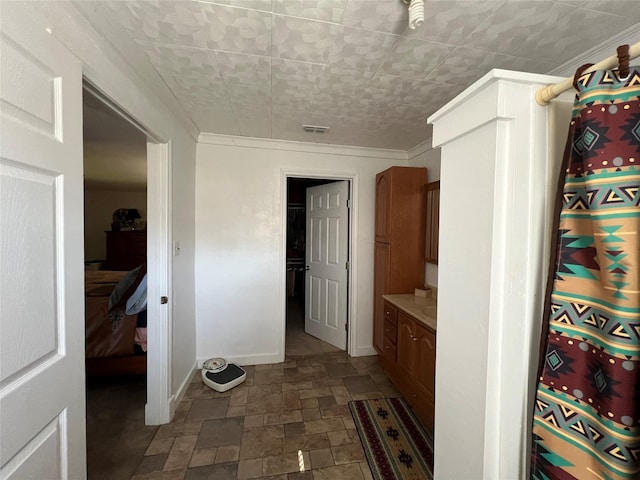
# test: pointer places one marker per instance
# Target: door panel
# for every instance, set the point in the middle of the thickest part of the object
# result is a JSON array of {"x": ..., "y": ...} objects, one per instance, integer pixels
[
  {"x": 315, "y": 299},
  {"x": 383, "y": 204},
  {"x": 333, "y": 303},
  {"x": 315, "y": 240},
  {"x": 327, "y": 255},
  {"x": 426, "y": 361},
  {"x": 381, "y": 266},
  {"x": 29, "y": 215},
  {"x": 40, "y": 455},
  {"x": 406, "y": 344},
  {"x": 333, "y": 240},
  {"x": 42, "y": 398},
  {"x": 425, "y": 373}
]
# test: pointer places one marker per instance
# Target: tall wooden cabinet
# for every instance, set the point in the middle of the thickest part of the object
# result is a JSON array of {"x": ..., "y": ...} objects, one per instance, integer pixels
[{"x": 400, "y": 223}]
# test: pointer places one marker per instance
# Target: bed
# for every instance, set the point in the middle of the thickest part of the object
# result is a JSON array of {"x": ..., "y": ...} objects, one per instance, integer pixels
[{"x": 115, "y": 343}]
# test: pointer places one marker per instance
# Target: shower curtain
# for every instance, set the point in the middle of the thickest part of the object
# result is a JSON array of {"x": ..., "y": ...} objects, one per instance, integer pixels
[{"x": 587, "y": 405}]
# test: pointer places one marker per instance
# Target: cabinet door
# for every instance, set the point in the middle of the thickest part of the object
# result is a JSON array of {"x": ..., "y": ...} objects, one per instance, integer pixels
[
  {"x": 425, "y": 373},
  {"x": 406, "y": 344},
  {"x": 382, "y": 262},
  {"x": 433, "y": 220},
  {"x": 389, "y": 353},
  {"x": 383, "y": 205}
]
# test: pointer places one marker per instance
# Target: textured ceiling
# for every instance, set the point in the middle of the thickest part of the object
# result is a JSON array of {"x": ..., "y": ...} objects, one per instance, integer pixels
[{"x": 263, "y": 68}]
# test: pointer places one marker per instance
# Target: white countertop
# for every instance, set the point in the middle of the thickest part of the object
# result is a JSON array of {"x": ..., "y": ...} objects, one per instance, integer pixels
[{"x": 422, "y": 309}]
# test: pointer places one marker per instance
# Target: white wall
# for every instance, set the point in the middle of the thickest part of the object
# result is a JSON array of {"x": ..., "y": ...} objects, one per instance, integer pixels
[
  {"x": 240, "y": 264},
  {"x": 424, "y": 155},
  {"x": 99, "y": 206},
  {"x": 105, "y": 68},
  {"x": 463, "y": 304},
  {"x": 183, "y": 217}
]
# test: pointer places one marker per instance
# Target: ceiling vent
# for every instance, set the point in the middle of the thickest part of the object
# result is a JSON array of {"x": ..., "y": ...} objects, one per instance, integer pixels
[{"x": 315, "y": 129}]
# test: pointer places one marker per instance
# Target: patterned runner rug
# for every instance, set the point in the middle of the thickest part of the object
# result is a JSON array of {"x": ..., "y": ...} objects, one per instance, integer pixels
[{"x": 396, "y": 444}]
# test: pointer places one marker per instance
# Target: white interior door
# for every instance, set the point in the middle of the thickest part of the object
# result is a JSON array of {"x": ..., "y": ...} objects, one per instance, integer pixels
[
  {"x": 42, "y": 393},
  {"x": 327, "y": 244}
]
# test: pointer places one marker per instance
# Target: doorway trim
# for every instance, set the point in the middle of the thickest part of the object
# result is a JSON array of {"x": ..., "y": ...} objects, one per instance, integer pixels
[
  {"x": 159, "y": 284},
  {"x": 352, "y": 276},
  {"x": 159, "y": 266}
]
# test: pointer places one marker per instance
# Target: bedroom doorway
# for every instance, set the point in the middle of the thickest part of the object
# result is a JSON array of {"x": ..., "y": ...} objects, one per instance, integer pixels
[
  {"x": 115, "y": 200},
  {"x": 302, "y": 330},
  {"x": 126, "y": 231}
]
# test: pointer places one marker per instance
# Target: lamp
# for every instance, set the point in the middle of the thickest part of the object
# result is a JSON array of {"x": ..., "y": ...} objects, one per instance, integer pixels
[{"x": 132, "y": 215}]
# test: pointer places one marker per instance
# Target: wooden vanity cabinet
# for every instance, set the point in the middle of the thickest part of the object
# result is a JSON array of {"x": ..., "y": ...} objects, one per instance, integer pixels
[{"x": 416, "y": 366}]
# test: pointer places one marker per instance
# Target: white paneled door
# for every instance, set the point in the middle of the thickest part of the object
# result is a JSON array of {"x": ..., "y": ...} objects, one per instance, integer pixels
[
  {"x": 42, "y": 395},
  {"x": 327, "y": 255}
]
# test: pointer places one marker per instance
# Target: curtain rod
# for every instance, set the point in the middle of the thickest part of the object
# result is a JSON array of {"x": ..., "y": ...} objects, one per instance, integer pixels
[{"x": 544, "y": 95}]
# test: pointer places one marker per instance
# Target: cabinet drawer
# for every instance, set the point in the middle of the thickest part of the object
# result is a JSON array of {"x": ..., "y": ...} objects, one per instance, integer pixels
[
  {"x": 389, "y": 349},
  {"x": 138, "y": 248},
  {"x": 390, "y": 313},
  {"x": 390, "y": 331}
]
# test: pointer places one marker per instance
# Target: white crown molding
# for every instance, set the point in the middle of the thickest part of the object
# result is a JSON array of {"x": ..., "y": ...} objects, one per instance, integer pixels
[
  {"x": 596, "y": 54},
  {"x": 419, "y": 149},
  {"x": 306, "y": 147}
]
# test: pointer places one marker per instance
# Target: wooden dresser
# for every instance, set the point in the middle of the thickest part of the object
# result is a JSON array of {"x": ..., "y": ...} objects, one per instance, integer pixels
[{"x": 125, "y": 250}]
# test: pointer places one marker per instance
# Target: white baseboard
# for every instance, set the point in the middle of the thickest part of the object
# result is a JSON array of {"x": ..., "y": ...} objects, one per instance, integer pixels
[
  {"x": 262, "y": 359},
  {"x": 364, "y": 351},
  {"x": 176, "y": 398},
  {"x": 259, "y": 359}
]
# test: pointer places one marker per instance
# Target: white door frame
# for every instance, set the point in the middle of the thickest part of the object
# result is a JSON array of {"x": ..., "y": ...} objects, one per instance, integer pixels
[
  {"x": 352, "y": 276},
  {"x": 159, "y": 281},
  {"x": 159, "y": 266}
]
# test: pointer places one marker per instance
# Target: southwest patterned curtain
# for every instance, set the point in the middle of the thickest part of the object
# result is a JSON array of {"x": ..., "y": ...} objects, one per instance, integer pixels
[{"x": 587, "y": 405}]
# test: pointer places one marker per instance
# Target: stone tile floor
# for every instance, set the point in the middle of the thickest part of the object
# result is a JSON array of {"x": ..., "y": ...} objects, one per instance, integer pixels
[
  {"x": 288, "y": 421},
  {"x": 116, "y": 434},
  {"x": 298, "y": 343}
]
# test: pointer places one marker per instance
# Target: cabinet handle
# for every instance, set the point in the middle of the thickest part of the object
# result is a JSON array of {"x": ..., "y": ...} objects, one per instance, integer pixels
[
  {"x": 387, "y": 313},
  {"x": 387, "y": 347},
  {"x": 415, "y": 339}
]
